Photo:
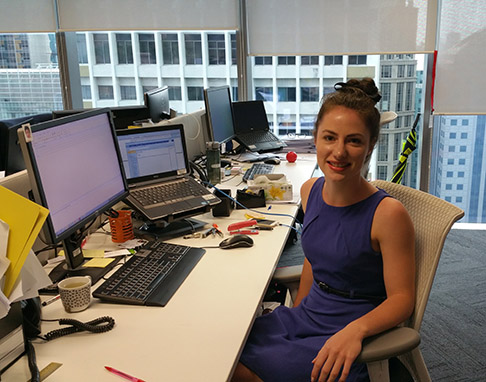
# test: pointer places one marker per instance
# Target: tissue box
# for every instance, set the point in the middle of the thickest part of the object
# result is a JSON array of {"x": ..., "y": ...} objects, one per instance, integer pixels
[{"x": 275, "y": 186}]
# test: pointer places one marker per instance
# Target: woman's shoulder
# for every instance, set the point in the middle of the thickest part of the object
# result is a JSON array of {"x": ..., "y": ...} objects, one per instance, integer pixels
[{"x": 305, "y": 190}]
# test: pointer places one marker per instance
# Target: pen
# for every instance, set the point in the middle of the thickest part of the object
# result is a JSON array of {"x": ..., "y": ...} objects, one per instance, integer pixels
[
  {"x": 123, "y": 375},
  {"x": 50, "y": 301},
  {"x": 244, "y": 232}
]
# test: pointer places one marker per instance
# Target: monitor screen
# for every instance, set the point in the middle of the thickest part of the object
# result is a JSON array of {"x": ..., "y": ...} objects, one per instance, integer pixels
[
  {"x": 157, "y": 101},
  {"x": 219, "y": 113},
  {"x": 75, "y": 171}
]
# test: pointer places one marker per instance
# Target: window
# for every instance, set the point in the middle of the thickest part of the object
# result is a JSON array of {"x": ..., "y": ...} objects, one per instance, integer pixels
[
  {"x": 286, "y": 60},
  {"x": 463, "y": 135},
  {"x": 453, "y": 122},
  {"x": 357, "y": 60},
  {"x": 465, "y": 122},
  {"x": 401, "y": 71},
  {"x": 409, "y": 95},
  {"x": 286, "y": 94},
  {"x": 124, "y": 48},
  {"x": 449, "y": 174},
  {"x": 82, "y": 51},
  {"x": 460, "y": 187},
  {"x": 147, "y": 48},
  {"x": 175, "y": 93},
  {"x": 382, "y": 173},
  {"x": 86, "y": 91},
  {"x": 309, "y": 94},
  {"x": 448, "y": 186},
  {"x": 452, "y": 135},
  {"x": 264, "y": 93},
  {"x": 170, "y": 49},
  {"x": 234, "y": 93},
  {"x": 195, "y": 93},
  {"x": 383, "y": 148},
  {"x": 462, "y": 162},
  {"x": 460, "y": 174},
  {"x": 462, "y": 149},
  {"x": 263, "y": 60},
  {"x": 234, "y": 55},
  {"x": 102, "y": 48},
  {"x": 105, "y": 91},
  {"x": 458, "y": 199},
  {"x": 450, "y": 161},
  {"x": 216, "y": 49},
  {"x": 128, "y": 92},
  {"x": 333, "y": 60},
  {"x": 193, "y": 48},
  {"x": 410, "y": 70},
  {"x": 385, "y": 97},
  {"x": 309, "y": 60},
  {"x": 386, "y": 71},
  {"x": 452, "y": 149},
  {"x": 399, "y": 103}
]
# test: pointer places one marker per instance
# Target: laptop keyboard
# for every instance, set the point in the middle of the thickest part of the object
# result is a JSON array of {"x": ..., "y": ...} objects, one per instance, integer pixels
[
  {"x": 258, "y": 169},
  {"x": 261, "y": 136},
  {"x": 168, "y": 193}
]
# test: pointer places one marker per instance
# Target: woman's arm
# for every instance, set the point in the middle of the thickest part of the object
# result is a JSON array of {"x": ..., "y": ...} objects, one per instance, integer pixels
[
  {"x": 306, "y": 278},
  {"x": 392, "y": 234}
]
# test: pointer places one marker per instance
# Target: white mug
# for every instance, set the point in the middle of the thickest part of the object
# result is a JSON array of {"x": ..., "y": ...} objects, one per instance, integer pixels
[{"x": 75, "y": 293}]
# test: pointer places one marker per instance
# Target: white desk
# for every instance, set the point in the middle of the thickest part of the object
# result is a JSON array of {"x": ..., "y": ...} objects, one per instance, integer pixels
[{"x": 199, "y": 335}]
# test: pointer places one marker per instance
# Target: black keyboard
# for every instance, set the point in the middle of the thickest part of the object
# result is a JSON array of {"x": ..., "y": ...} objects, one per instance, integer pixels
[
  {"x": 258, "y": 169},
  {"x": 261, "y": 136},
  {"x": 152, "y": 276},
  {"x": 167, "y": 192}
]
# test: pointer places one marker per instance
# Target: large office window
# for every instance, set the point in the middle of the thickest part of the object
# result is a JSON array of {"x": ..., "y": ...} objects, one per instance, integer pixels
[
  {"x": 286, "y": 60},
  {"x": 309, "y": 60},
  {"x": 333, "y": 60},
  {"x": 175, "y": 93},
  {"x": 147, "y": 48},
  {"x": 309, "y": 94},
  {"x": 234, "y": 54},
  {"x": 357, "y": 60},
  {"x": 264, "y": 93},
  {"x": 105, "y": 91},
  {"x": 128, "y": 92},
  {"x": 263, "y": 60},
  {"x": 170, "y": 48},
  {"x": 286, "y": 94},
  {"x": 216, "y": 49},
  {"x": 124, "y": 48},
  {"x": 193, "y": 48},
  {"x": 82, "y": 50},
  {"x": 102, "y": 48}
]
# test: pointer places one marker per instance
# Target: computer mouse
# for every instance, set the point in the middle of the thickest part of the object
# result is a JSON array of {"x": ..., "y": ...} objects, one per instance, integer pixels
[
  {"x": 272, "y": 161},
  {"x": 236, "y": 241}
]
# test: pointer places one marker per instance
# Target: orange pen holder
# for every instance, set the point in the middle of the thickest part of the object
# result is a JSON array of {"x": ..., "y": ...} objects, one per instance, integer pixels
[{"x": 121, "y": 227}]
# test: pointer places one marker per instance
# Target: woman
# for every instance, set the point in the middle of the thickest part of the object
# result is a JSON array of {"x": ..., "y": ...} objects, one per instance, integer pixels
[{"x": 358, "y": 275}]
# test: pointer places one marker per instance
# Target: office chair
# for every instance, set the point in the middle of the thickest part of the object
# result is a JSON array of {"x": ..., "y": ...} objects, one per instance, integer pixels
[{"x": 432, "y": 218}]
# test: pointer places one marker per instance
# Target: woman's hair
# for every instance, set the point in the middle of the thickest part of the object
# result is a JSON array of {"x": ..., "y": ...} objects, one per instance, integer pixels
[{"x": 358, "y": 95}]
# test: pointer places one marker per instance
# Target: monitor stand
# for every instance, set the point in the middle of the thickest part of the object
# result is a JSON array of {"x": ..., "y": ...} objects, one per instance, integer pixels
[
  {"x": 162, "y": 230},
  {"x": 61, "y": 271}
]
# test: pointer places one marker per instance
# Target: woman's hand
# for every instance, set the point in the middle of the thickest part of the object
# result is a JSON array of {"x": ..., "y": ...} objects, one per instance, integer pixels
[{"x": 338, "y": 353}]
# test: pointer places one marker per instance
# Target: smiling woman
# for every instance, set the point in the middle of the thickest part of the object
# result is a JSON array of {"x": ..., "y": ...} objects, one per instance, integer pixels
[{"x": 358, "y": 275}]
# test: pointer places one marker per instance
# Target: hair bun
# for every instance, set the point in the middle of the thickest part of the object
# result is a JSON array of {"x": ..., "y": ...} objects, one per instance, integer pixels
[{"x": 366, "y": 85}]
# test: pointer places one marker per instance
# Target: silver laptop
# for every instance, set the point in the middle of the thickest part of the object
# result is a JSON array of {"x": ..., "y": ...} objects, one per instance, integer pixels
[{"x": 157, "y": 171}]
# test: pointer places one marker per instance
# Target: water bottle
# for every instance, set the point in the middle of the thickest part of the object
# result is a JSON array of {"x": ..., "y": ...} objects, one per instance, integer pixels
[{"x": 213, "y": 162}]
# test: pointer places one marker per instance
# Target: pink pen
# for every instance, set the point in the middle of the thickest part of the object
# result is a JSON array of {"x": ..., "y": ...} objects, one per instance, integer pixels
[{"x": 123, "y": 375}]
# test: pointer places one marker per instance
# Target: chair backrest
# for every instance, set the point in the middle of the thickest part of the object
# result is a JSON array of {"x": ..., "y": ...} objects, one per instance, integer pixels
[{"x": 432, "y": 218}]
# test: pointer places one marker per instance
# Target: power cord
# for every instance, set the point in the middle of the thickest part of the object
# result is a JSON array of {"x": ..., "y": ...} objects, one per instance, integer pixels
[{"x": 98, "y": 325}]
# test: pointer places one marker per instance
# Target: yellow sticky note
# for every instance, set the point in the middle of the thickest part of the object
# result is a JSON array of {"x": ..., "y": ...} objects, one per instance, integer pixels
[{"x": 98, "y": 262}]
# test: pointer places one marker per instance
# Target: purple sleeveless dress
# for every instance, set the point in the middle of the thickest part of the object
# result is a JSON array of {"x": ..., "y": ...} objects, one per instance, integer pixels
[{"x": 337, "y": 242}]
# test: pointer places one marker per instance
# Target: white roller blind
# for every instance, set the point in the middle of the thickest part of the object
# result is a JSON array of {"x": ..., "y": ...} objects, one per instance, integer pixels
[
  {"x": 289, "y": 27},
  {"x": 27, "y": 16},
  {"x": 82, "y": 15},
  {"x": 460, "y": 84}
]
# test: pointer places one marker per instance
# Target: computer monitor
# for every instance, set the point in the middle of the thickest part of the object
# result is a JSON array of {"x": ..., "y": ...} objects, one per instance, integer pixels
[
  {"x": 123, "y": 116},
  {"x": 75, "y": 171},
  {"x": 157, "y": 102},
  {"x": 219, "y": 113}
]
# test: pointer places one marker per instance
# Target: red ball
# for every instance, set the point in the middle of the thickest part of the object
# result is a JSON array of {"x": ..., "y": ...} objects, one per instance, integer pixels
[{"x": 291, "y": 157}]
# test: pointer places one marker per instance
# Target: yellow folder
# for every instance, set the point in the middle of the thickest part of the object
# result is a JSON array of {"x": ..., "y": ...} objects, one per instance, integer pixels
[{"x": 25, "y": 219}]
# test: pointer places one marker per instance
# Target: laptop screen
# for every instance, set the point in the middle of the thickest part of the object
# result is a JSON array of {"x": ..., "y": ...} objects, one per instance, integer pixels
[
  {"x": 249, "y": 116},
  {"x": 153, "y": 152}
]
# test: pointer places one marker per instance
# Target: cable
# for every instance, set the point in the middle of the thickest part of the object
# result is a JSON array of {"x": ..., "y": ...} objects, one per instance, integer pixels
[
  {"x": 258, "y": 212},
  {"x": 92, "y": 326}
]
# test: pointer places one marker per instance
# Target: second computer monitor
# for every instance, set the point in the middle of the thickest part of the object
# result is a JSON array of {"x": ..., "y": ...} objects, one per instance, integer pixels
[
  {"x": 219, "y": 113},
  {"x": 157, "y": 102}
]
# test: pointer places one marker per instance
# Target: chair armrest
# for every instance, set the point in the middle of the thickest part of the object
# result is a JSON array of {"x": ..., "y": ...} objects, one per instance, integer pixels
[{"x": 389, "y": 344}]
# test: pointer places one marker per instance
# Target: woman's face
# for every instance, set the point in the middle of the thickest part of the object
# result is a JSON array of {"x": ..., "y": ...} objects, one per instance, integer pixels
[{"x": 343, "y": 143}]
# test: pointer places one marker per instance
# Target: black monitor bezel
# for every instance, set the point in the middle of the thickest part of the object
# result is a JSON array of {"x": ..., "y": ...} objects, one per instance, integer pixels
[
  {"x": 36, "y": 181},
  {"x": 207, "y": 92}
]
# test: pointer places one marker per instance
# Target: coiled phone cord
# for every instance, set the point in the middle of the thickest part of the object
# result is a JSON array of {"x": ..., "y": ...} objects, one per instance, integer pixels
[{"x": 107, "y": 323}]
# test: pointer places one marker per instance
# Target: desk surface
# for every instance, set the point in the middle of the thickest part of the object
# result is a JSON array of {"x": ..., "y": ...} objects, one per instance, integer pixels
[{"x": 199, "y": 335}]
